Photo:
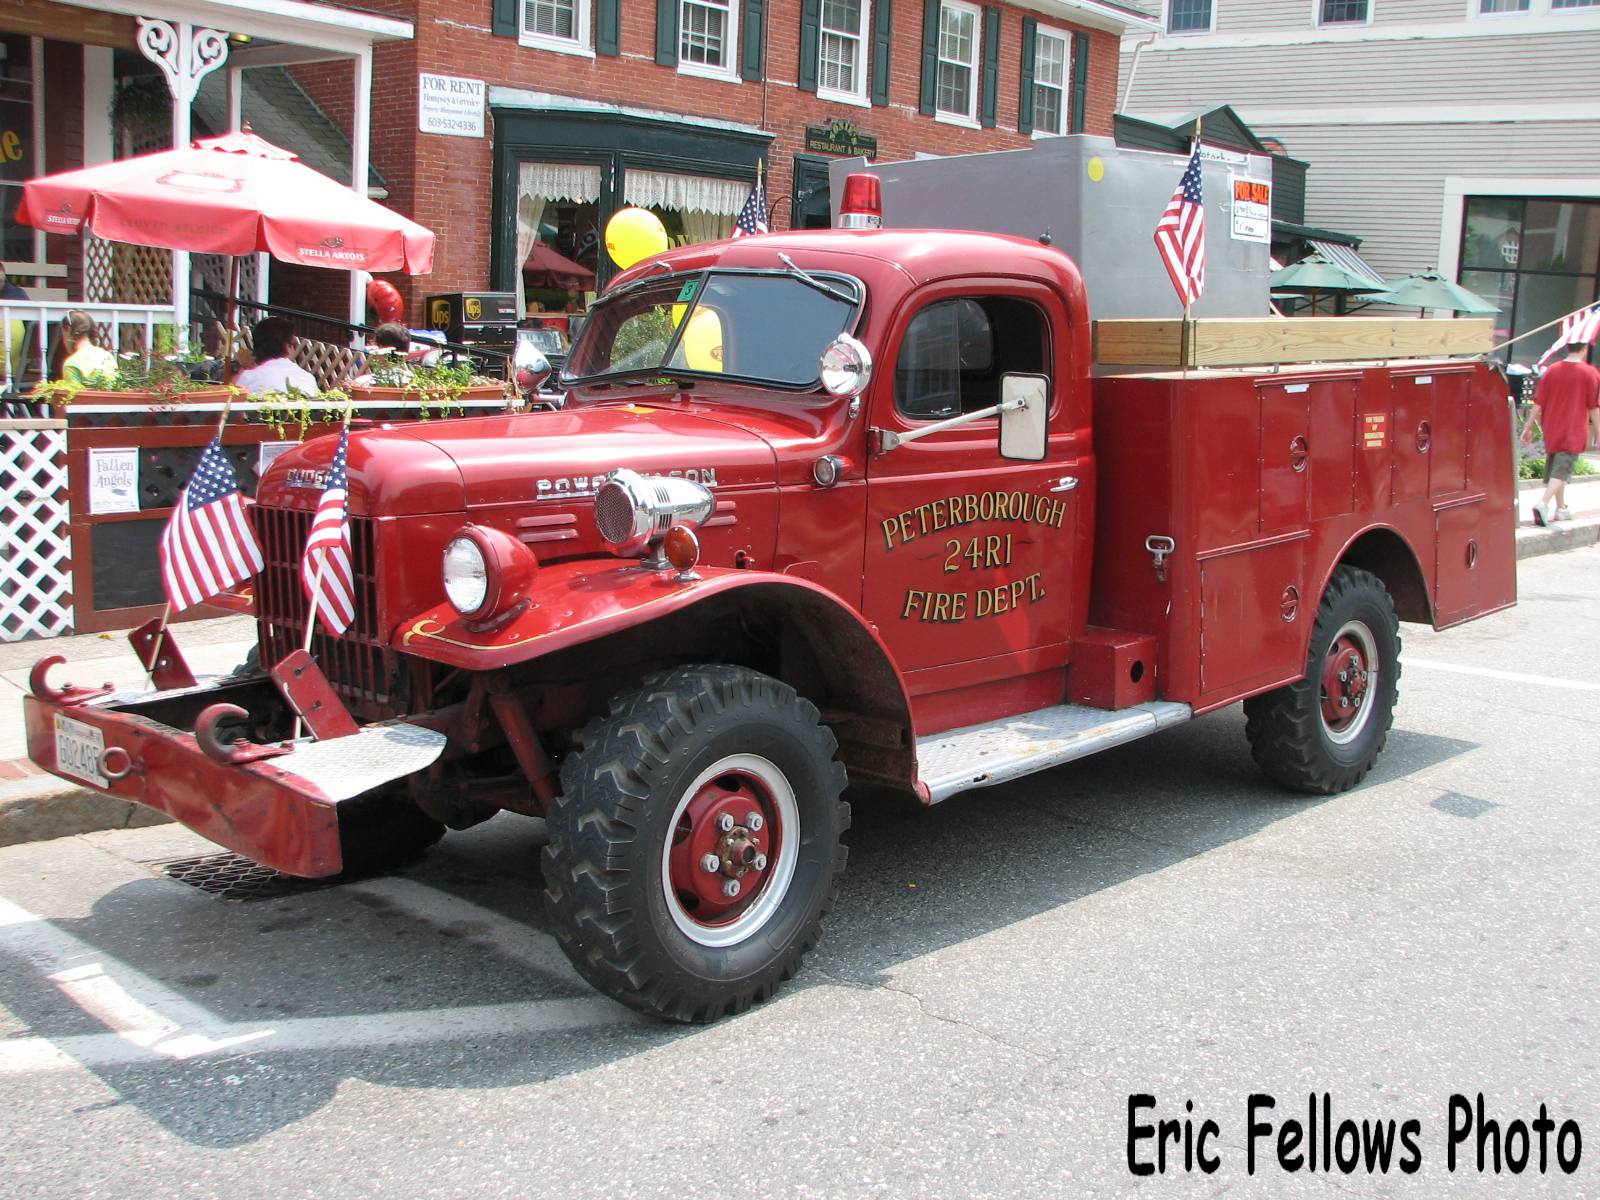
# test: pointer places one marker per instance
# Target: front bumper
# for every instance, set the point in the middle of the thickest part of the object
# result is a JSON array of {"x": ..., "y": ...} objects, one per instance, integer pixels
[{"x": 282, "y": 812}]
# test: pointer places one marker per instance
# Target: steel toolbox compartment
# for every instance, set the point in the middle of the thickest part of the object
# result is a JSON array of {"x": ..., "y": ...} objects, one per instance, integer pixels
[{"x": 1263, "y": 481}]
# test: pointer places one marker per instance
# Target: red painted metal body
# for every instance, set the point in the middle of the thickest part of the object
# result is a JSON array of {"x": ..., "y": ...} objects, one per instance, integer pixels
[{"x": 931, "y": 587}]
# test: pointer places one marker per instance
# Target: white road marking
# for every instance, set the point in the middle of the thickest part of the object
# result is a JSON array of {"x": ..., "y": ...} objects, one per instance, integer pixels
[
  {"x": 1572, "y": 685},
  {"x": 149, "y": 1022}
]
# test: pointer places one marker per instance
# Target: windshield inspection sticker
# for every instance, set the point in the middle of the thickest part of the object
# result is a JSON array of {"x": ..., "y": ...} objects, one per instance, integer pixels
[{"x": 687, "y": 291}]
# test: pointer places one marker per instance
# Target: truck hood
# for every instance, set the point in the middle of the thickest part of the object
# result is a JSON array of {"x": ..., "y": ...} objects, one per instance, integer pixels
[{"x": 452, "y": 466}]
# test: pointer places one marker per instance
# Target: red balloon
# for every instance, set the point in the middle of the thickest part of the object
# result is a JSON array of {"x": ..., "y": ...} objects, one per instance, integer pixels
[{"x": 385, "y": 301}]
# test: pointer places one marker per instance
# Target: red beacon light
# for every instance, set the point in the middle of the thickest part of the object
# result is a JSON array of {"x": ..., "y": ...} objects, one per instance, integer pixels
[{"x": 862, "y": 206}]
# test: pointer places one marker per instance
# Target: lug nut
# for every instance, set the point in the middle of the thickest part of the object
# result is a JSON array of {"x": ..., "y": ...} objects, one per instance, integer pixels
[
  {"x": 711, "y": 864},
  {"x": 725, "y": 822},
  {"x": 731, "y": 888},
  {"x": 753, "y": 822},
  {"x": 761, "y": 862}
]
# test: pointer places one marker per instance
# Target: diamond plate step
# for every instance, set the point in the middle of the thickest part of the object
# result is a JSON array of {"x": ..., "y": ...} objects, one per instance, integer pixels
[{"x": 984, "y": 755}]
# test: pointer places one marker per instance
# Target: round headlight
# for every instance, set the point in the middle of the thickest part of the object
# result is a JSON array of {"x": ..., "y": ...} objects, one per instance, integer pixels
[
  {"x": 466, "y": 575},
  {"x": 846, "y": 367}
]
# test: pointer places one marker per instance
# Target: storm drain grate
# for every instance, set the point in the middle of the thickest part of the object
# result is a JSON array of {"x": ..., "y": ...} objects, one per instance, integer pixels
[{"x": 234, "y": 877}]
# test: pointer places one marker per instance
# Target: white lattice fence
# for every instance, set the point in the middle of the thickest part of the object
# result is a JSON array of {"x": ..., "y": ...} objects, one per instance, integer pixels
[{"x": 36, "y": 578}]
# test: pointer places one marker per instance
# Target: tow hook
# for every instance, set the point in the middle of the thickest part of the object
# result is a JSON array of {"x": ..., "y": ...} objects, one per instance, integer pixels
[
  {"x": 67, "y": 694},
  {"x": 1160, "y": 546},
  {"x": 239, "y": 750}
]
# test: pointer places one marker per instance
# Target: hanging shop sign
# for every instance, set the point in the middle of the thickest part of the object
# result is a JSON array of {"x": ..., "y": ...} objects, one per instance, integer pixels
[
  {"x": 1252, "y": 208},
  {"x": 449, "y": 104},
  {"x": 840, "y": 137}
]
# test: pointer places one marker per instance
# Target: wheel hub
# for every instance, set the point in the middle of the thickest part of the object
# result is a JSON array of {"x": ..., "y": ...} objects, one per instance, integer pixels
[
  {"x": 725, "y": 841},
  {"x": 1345, "y": 678}
]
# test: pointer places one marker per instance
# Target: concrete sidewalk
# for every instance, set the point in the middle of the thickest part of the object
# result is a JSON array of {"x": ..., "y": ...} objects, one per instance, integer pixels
[{"x": 35, "y": 805}]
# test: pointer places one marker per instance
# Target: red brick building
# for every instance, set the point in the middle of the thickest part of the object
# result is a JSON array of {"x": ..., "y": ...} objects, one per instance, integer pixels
[{"x": 561, "y": 111}]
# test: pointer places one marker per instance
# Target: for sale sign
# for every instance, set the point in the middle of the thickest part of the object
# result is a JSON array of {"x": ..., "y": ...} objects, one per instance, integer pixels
[
  {"x": 449, "y": 104},
  {"x": 1252, "y": 208}
]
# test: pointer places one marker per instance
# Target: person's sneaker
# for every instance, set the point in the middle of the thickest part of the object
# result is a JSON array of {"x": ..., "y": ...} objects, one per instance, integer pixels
[
  {"x": 1563, "y": 514},
  {"x": 1541, "y": 518}
]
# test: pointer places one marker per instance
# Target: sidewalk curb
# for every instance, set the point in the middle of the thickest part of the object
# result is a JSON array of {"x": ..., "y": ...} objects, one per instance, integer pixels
[
  {"x": 1569, "y": 535},
  {"x": 62, "y": 811}
]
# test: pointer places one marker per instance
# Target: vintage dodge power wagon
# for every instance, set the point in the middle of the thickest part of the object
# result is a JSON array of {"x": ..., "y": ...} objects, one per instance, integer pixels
[{"x": 821, "y": 508}]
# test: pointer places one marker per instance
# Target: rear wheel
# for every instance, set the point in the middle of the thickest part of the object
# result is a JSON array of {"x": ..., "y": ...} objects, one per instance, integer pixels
[
  {"x": 695, "y": 847},
  {"x": 1323, "y": 732}
]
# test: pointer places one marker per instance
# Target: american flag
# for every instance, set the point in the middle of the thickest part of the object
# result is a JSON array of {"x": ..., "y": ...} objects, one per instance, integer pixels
[
  {"x": 208, "y": 544},
  {"x": 1181, "y": 235},
  {"x": 328, "y": 546},
  {"x": 753, "y": 216},
  {"x": 1582, "y": 327}
]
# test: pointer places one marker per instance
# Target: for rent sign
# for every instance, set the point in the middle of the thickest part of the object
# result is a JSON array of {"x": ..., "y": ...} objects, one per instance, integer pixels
[{"x": 449, "y": 104}]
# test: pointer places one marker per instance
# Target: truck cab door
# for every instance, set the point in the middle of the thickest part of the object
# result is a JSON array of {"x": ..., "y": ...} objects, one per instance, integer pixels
[{"x": 973, "y": 560}]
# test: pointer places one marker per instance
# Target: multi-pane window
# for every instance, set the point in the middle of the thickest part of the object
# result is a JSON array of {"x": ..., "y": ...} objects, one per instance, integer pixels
[
  {"x": 1555, "y": 4},
  {"x": 1491, "y": 7},
  {"x": 958, "y": 60},
  {"x": 1051, "y": 59},
  {"x": 706, "y": 36},
  {"x": 1343, "y": 12},
  {"x": 18, "y": 96},
  {"x": 841, "y": 50},
  {"x": 556, "y": 24},
  {"x": 1189, "y": 16}
]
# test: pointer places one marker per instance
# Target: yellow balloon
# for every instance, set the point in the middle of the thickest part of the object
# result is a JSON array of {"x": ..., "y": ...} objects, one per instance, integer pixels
[
  {"x": 702, "y": 341},
  {"x": 633, "y": 235}
]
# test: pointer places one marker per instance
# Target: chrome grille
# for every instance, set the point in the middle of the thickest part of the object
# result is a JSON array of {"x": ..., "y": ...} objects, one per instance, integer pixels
[
  {"x": 613, "y": 513},
  {"x": 354, "y": 660}
]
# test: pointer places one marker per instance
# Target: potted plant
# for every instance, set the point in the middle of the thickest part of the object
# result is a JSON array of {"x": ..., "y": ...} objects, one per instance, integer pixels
[
  {"x": 156, "y": 386},
  {"x": 424, "y": 391}
]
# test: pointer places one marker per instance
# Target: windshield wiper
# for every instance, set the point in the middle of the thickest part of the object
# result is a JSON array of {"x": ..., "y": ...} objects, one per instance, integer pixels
[{"x": 813, "y": 281}]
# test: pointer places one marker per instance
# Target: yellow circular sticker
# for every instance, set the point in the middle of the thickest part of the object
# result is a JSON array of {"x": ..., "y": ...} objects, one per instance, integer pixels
[{"x": 1097, "y": 169}]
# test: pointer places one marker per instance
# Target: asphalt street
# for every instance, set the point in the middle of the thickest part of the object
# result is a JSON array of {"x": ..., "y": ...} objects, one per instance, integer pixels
[{"x": 1002, "y": 973}]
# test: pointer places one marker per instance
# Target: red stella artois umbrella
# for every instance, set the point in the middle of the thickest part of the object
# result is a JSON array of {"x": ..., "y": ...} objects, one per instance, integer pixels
[{"x": 235, "y": 194}]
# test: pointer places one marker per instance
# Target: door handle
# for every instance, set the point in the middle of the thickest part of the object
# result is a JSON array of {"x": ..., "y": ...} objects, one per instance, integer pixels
[{"x": 1065, "y": 484}]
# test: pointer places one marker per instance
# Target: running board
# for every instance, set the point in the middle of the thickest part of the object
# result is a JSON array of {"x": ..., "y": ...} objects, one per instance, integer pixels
[{"x": 984, "y": 755}]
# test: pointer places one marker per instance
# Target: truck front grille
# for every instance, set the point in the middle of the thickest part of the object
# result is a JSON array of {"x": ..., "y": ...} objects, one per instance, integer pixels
[{"x": 354, "y": 661}]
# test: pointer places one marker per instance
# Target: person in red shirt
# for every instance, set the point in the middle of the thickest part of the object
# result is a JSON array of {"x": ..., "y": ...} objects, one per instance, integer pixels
[{"x": 1566, "y": 405}]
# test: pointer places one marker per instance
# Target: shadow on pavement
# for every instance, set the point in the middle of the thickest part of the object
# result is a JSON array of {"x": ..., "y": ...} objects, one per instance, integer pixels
[{"x": 919, "y": 881}]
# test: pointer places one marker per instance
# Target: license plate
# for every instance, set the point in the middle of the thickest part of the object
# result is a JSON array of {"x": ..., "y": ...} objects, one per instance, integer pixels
[{"x": 78, "y": 750}]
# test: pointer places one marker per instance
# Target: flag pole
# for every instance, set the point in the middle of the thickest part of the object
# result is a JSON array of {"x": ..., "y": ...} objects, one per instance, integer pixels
[
  {"x": 166, "y": 611},
  {"x": 316, "y": 585}
]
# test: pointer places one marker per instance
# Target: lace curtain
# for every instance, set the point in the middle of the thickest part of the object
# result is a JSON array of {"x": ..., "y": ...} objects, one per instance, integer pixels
[
  {"x": 686, "y": 193},
  {"x": 537, "y": 185}
]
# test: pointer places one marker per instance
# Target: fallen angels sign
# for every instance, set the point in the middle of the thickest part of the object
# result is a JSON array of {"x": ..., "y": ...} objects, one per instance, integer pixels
[{"x": 840, "y": 137}]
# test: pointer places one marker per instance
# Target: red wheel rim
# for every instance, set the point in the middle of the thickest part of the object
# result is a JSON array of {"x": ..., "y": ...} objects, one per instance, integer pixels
[
  {"x": 1348, "y": 675},
  {"x": 734, "y": 819}
]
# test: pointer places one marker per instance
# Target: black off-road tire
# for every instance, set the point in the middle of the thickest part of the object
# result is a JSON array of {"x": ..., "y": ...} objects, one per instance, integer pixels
[
  {"x": 381, "y": 832},
  {"x": 1289, "y": 738},
  {"x": 603, "y": 867}
]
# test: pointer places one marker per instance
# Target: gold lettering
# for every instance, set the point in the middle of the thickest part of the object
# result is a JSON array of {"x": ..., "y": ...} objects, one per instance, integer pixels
[
  {"x": 888, "y": 530},
  {"x": 986, "y": 506},
  {"x": 913, "y": 601},
  {"x": 905, "y": 528}
]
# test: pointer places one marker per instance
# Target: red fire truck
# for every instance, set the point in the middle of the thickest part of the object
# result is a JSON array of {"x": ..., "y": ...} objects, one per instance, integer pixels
[{"x": 821, "y": 508}]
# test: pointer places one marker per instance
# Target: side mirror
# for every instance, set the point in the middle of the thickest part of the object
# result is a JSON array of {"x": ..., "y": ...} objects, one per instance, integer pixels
[
  {"x": 1024, "y": 417},
  {"x": 530, "y": 368}
]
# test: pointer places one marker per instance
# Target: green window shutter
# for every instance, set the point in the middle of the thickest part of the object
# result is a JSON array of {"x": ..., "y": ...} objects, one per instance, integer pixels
[
  {"x": 810, "y": 34},
  {"x": 755, "y": 38},
  {"x": 1080, "y": 80},
  {"x": 608, "y": 27},
  {"x": 882, "y": 39},
  {"x": 930, "y": 58},
  {"x": 667, "y": 32},
  {"x": 991, "y": 64},
  {"x": 504, "y": 20},
  {"x": 1030, "y": 37}
]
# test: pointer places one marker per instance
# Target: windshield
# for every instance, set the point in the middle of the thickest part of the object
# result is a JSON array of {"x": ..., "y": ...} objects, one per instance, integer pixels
[{"x": 767, "y": 327}]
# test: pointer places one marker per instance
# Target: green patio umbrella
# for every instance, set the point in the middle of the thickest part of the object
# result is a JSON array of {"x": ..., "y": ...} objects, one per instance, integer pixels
[
  {"x": 1314, "y": 274},
  {"x": 1429, "y": 289}
]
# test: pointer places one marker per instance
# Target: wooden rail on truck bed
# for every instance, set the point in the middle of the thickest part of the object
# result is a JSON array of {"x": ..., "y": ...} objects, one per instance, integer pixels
[{"x": 1259, "y": 341}]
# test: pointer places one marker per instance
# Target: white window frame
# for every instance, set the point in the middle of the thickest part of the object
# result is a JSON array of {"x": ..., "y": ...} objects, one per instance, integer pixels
[
  {"x": 863, "y": 59},
  {"x": 1166, "y": 22},
  {"x": 729, "y": 71},
  {"x": 1535, "y": 9},
  {"x": 1065, "y": 38},
  {"x": 968, "y": 120},
  {"x": 1316, "y": 17},
  {"x": 579, "y": 43}
]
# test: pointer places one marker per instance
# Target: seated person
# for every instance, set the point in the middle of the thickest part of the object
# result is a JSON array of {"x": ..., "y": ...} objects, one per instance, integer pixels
[
  {"x": 275, "y": 370},
  {"x": 78, "y": 355},
  {"x": 391, "y": 342}
]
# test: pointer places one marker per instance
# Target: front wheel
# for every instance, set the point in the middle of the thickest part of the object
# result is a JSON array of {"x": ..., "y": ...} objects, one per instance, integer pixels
[
  {"x": 1323, "y": 733},
  {"x": 695, "y": 847}
]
